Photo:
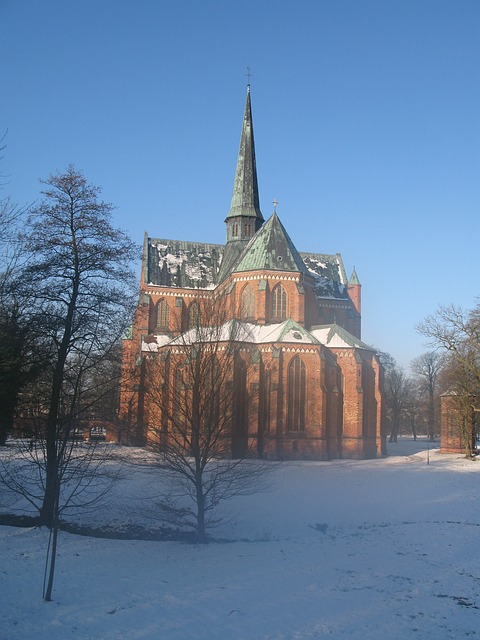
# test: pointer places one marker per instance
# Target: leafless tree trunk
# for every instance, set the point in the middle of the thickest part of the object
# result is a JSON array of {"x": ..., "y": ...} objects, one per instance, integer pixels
[
  {"x": 193, "y": 386},
  {"x": 426, "y": 368},
  {"x": 83, "y": 478},
  {"x": 81, "y": 273},
  {"x": 398, "y": 395}
]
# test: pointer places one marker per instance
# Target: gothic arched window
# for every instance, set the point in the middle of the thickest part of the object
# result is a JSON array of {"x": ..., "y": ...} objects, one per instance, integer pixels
[
  {"x": 163, "y": 314},
  {"x": 248, "y": 303},
  {"x": 297, "y": 377},
  {"x": 279, "y": 303}
]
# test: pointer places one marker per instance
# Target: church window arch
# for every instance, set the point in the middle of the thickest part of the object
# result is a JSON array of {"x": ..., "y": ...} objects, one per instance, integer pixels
[
  {"x": 247, "y": 311},
  {"x": 163, "y": 314},
  {"x": 296, "y": 395},
  {"x": 279, "y": 302}
]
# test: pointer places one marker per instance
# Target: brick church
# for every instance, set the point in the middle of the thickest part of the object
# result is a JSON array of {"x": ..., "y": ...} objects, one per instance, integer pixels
[{"x": 310, "y": 388}]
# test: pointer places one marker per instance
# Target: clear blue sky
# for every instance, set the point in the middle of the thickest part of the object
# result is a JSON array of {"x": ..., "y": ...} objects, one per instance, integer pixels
[{"x": 366, "y": 117}]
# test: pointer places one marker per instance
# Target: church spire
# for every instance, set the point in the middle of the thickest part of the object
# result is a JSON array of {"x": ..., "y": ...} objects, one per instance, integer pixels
[{"x": 245, "y": 217}]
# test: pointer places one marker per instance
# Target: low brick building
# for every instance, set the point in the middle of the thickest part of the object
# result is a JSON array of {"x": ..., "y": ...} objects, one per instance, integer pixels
[
  {"x": 311, "y": 388},
  {"x": 457, "y": 423}
]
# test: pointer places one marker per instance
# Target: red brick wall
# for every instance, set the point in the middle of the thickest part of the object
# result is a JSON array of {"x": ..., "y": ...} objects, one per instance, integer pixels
[
  {"x": 451, "y": 440},
  {"x": 343, "y": 412}
]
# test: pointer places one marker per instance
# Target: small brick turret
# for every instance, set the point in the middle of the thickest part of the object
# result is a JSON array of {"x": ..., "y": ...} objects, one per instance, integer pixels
[{"x": 354, "y": 289}]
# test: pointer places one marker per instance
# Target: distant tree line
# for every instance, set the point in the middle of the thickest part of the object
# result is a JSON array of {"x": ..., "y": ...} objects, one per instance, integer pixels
[
  {"x": 412, "y": 399},
  {"x": 455, "y": 332}
]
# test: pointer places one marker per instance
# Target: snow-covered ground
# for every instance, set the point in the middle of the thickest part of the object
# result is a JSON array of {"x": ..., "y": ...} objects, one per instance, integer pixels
[{"x": 377, "y": 549}]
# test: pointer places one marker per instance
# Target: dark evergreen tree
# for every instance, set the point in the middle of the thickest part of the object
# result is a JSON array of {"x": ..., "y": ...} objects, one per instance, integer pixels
[{"x": 17, "y": 334}]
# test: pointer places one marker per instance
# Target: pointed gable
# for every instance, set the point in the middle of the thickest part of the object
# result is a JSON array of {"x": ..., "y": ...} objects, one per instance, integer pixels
[
  {"x": 335, "y": 336},
  {"x": 270, "y": 249}
]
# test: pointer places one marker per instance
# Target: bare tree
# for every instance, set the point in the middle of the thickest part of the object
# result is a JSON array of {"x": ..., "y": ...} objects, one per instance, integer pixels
[
  {"x": 83, "y": 476},
  {"x": 399, "y": 395},
  {"x": 457, "y": 333},
  {"x": 198, "y": 393},
  {"x": 426, "y": 368},
  {"x": 80, "y": 271},
  {"x": 413, "y": 410},
  {"x": 462, "y": 391},
  {"x": 82, "y": 277}
]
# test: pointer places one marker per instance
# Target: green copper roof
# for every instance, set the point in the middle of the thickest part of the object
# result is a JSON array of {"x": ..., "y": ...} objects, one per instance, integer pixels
[
  {"x": 245, "y": 200},
  {"x": 272, "y": 249},
  {"x": 354, "y": 278},
  {"x": 291, "y": 329}
]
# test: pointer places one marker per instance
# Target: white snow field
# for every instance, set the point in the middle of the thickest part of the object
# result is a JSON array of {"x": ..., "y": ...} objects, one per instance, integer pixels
[{"x": 379, "y": 549}]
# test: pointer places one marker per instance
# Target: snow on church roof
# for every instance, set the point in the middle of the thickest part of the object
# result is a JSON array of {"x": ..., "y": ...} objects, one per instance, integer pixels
[
  {"x": 289, "y": 331},
  {"x": 182, "y": 264},
  {"x": 237, "y": 331},
  {"x": 196, "y": 265},
  {"x": 328, "y": 272},
  {"x": 332, "y": 335}
]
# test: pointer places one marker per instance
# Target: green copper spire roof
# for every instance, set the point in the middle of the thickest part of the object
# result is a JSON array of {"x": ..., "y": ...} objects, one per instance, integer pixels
[
  {"x": 272, "y": 249},
  {"x": 354, "y": 278},
  {"x": 245, "y": 200}
]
